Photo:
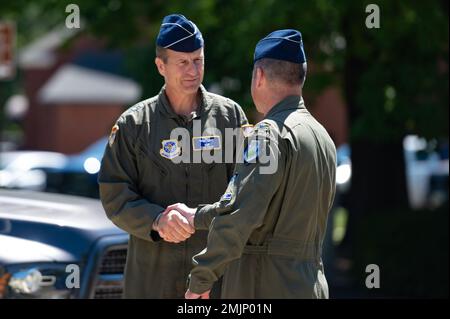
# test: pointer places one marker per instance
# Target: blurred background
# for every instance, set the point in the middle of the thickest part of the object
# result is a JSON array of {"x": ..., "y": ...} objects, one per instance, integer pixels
[{"x": 381, "y": 91}]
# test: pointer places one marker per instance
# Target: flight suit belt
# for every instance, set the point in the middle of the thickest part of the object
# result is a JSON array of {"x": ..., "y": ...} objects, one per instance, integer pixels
[{"x": 283, "y": 247}]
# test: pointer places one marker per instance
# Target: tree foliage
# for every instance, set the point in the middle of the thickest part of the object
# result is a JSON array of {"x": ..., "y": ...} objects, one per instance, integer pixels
[{"x": 395, "y": 78}]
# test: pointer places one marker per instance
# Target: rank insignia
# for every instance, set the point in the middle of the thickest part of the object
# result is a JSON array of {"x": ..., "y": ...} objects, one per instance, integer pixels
[{"x": 170, "y": 149}]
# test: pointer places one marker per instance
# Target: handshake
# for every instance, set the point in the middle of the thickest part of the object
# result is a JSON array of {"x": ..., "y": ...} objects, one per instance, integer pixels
[{"x": 176, "y": 223}]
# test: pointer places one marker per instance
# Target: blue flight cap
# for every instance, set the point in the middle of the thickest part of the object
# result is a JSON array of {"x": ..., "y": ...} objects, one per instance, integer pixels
[
  {"x": 286, "y": 45},
  {"x": 179, "y": 34}
]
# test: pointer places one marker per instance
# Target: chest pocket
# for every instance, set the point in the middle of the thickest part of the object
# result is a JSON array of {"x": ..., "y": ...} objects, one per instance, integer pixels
[{"x": 153, "y": 174}]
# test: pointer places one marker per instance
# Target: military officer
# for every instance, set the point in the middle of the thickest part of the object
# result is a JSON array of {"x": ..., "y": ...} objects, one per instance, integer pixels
[
  {"x": 139, "y": 176},
  {"x": 267, "y": 229}
]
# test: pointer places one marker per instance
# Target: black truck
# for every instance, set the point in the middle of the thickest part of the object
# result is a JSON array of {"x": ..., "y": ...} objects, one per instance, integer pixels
[{"x": 58, "y": 246}]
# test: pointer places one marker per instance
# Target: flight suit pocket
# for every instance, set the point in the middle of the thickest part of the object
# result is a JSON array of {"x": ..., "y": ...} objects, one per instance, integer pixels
[
  {"x": 163, "y": 171},
  {"x": 146, "y": 157},
  {"x": 153, "y": 175}
]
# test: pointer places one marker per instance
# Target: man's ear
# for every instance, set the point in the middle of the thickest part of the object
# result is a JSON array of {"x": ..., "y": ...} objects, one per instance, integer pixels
[
  {"x": 260, "y": 77},
  {"x": 160, "y": 65}
]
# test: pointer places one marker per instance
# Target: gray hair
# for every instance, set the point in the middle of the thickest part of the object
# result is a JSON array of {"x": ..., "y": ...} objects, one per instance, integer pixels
[
  {"x": 284, "y": 72},
  {"x": 161, "y": 53}
]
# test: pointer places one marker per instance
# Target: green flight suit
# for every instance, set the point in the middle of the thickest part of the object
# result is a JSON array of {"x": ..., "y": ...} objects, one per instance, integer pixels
[
  {"x": 267, "y": 230},
  {"x": 138, "y": 180}
]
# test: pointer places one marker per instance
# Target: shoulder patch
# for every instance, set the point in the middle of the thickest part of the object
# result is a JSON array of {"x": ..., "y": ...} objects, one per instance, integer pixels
[
  {"x": 262, "y": 126},
  {"x": 247, "y": 130},
  {"x": 263, "y": 130},
  {"x": 112, "y": 135},
  {"x": 252, "y": 151}
]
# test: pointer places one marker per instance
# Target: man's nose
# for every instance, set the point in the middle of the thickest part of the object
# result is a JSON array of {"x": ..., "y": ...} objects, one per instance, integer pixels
[{"x": 193, "y": 69}]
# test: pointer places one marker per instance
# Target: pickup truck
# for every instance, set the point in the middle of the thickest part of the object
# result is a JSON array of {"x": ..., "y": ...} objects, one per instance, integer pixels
[{"x": 58, "y": 246}]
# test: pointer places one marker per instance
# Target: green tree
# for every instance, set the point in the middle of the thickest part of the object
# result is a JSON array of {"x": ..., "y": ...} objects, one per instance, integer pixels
[{"x": 394, "y": 79}]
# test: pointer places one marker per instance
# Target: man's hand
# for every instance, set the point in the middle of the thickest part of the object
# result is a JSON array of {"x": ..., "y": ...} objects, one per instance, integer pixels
[
  {"x": 173, "y": 227},
  {"x": 187, "y": 212},
  {"x": 191, "y": 295}
]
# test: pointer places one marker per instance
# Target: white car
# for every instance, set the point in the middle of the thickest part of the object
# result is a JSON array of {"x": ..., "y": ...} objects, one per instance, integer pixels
[
  {"x": 424, "y": 165},
  {"x": 24, "y": 169}
]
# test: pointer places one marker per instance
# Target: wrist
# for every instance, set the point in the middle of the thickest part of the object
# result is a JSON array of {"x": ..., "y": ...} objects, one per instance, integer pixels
[
  {"x": 156, "y": 222},
  {"x": 191, "y": 218}
]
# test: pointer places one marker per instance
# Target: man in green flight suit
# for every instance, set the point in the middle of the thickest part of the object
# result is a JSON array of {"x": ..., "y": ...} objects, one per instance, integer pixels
[
  {"x": 140, "y": 176},
  {"x": 266, "y": 232}
]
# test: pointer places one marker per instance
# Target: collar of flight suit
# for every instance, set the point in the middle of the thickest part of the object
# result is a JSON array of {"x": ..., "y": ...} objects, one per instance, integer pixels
[
  {"x": 288, "y": 103},
  {"x": 167, "y": 110}
]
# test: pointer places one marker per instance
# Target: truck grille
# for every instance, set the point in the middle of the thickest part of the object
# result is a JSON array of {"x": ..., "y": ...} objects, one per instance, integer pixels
[
  {"x": 109, "y": 282},
  {"x": 113, "y": 261},
  {"x": 108, "y": 293}
]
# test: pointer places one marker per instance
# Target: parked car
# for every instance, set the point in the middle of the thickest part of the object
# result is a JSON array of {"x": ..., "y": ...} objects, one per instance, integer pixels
[
  {"x": 78, "y": 176},
  {"x": 47, "y": 239},
  {"x": 26, "y": 169},
  {"x": 427, "y": 171},
  {"x": 88, "y": 161}
]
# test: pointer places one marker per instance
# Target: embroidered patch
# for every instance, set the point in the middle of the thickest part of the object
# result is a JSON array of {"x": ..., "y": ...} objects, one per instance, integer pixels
[
  {"x": 170, "y": 149},
  {"x": 262, "y": 125},
  {"x": 247, "y": 129},
  {"x": 229, "y": 191},
  {"x": 227, "y": 196},
  {"x": 252, "y": 151},
  {"x": 206, "y": 143},
  {"x": 112, "y": 135}
]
